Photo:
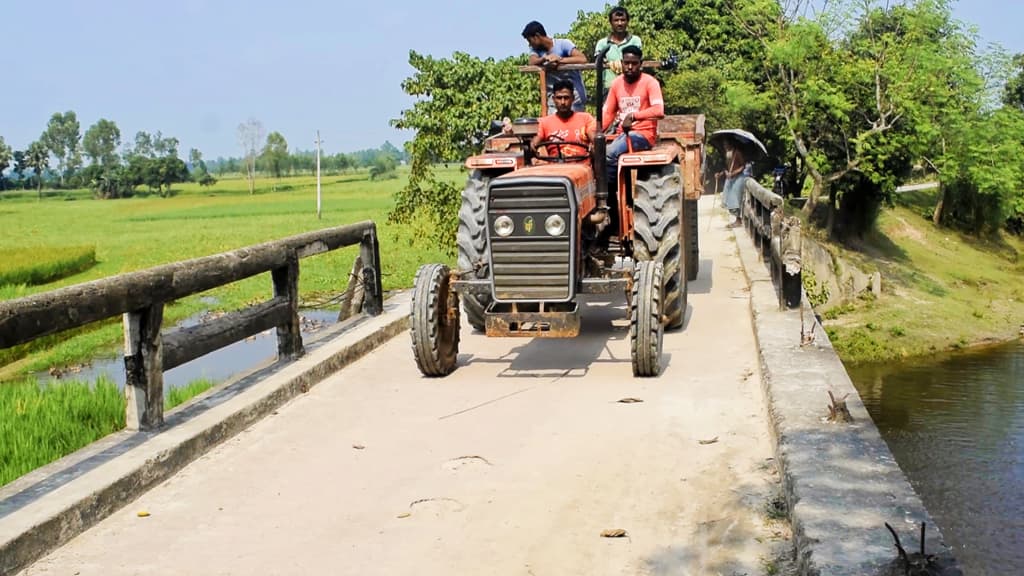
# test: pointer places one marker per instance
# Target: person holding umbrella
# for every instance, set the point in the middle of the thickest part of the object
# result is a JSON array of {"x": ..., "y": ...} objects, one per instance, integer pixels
[{"x": 737, "y": 166}]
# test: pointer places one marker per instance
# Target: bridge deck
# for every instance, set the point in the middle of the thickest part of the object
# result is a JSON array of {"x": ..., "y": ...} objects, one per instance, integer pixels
[{"x": 515, "y": 464}]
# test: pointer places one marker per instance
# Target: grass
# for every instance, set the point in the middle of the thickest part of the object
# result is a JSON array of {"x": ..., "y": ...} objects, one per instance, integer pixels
[
  {"x": 41, "y": 265},
  {"x": 137, "y": 233},
  {"x": 39, "y": 424},
  {"x": 182, "y": 394},
  {"x": 941, "y": 289}
]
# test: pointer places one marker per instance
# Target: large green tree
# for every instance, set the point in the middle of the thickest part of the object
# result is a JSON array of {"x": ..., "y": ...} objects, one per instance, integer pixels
[
  {"x": 63, "y": 138},
  {"x": 863, "y": 89},
  {"x": 101, "y": 142},
  {"x": 275, "y": 154},
  {"x": 457, "y": 98}
]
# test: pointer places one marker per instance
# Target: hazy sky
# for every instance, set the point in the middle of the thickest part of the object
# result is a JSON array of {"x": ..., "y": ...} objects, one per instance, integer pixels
[{"x": 194, "y": 69}]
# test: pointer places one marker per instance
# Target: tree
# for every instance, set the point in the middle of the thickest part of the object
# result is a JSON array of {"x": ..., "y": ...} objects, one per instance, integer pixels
[
  {"x": 250, "y": 134},
  {"x": 275, "y": 153},
  {"x": 984, "y": 186},
  {"x": 37, "y": 157},
  {"x": 862, "y": 89},
  {"x": 1013, "y": 92},
  {"x": 62, "y": 138},
  {"x": 101, "y": 142},
  {"x": 6, "y": 156},
  {"x": 383, "y": 168},
  {"x": 481, "y": 91},
  {"x": 200, "y": 173}
]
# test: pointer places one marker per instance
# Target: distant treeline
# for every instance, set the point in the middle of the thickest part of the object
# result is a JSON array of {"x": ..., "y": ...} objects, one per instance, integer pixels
[{"x": 63, "y": 158}]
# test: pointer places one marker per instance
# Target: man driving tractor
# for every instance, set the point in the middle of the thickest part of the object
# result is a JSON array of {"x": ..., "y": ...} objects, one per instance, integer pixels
[{"x": 576, "y": 129}]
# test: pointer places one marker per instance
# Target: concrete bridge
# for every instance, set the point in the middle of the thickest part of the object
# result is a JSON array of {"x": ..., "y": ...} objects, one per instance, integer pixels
[{"x": 535, "y": 457}]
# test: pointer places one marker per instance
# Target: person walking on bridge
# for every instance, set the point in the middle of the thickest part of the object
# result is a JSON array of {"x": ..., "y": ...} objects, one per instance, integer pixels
[{"x": 735, "y": 173}]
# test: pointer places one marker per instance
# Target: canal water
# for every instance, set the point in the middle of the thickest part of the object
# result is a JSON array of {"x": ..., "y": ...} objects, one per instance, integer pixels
[
  {"x": 956, "y": 427},
  {"x": 217, "y": 366}
]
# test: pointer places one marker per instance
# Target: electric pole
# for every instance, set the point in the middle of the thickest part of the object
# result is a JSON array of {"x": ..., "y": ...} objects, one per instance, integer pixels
[{"x": 318, "y": 142}]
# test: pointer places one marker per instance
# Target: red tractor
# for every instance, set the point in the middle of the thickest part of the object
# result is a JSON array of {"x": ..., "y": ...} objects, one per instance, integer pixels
[{"x": 537, "y": 232}]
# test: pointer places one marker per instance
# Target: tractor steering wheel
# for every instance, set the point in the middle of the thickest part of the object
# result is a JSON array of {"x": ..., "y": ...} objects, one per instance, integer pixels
[{"x": 559, "y": 145}]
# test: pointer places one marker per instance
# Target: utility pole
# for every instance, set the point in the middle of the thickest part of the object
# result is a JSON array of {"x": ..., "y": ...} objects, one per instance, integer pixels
[{"x": 318, "y": 142}]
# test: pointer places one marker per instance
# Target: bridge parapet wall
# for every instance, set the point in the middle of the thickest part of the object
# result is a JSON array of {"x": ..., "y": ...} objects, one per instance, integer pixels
[{"x": 841, "y": 482}]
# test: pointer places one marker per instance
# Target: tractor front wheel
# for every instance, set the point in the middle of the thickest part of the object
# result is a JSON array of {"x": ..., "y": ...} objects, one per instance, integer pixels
[
  {"x": 646, "y": 307},
  {"x": 434, "y": 321}
]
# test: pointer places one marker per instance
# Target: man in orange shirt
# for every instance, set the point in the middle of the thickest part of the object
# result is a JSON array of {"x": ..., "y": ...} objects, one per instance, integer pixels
[
  {"x": 635, "y": 103},
  {"x": 566, "y": 125}
]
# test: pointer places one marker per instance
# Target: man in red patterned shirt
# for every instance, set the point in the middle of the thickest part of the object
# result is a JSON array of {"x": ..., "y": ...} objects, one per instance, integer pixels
[
  {"x": 565, "y": 125},
  {"x": 635, "y": 103}
]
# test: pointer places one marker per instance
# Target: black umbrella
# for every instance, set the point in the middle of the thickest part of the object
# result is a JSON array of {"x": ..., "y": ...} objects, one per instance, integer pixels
[{"x": 744, "y": 138}]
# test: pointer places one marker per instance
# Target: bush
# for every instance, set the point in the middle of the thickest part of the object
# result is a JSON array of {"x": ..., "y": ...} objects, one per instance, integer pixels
[{"x": 34, "y": 266}]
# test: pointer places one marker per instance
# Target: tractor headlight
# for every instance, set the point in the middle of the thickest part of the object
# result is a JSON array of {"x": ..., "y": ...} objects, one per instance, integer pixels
[
  {"x": 503, "y": 226},
  {"x": 554, "y": 225}
]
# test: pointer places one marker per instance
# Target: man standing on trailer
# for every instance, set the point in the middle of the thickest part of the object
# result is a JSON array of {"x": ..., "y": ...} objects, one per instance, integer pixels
[{"x": 552, "y": 53}]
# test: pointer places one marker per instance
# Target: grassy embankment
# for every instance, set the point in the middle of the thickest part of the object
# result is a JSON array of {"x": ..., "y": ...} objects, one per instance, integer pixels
[
  {"x": 941, "y": 289},
  {"x": 40, "y": 424}
]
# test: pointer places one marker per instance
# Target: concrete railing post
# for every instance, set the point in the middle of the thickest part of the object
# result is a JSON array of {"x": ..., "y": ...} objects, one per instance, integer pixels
[
  {"x": 373, "y": 294},
  {"x": 286, "y": 285},
  {"x": 143, "y": 365}
]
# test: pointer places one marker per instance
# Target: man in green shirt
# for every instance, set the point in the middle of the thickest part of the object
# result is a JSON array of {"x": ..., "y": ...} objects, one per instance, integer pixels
[{"x": 620, "y": 37}]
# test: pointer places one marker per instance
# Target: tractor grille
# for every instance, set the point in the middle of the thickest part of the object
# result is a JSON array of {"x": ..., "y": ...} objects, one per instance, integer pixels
[{"x": 530, "y": 264}]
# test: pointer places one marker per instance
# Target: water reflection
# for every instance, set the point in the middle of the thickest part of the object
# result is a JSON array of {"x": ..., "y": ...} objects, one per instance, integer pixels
[
  {"x": 956, "y": 426},
  {"x": 216, "y": 366}
]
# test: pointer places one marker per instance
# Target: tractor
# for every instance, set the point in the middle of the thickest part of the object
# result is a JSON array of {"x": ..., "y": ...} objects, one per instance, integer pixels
[{"x": 536, "y": 232}]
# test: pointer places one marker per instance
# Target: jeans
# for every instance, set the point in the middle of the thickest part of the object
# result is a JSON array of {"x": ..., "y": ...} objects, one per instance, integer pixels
[{"x": 617, "y": 148}]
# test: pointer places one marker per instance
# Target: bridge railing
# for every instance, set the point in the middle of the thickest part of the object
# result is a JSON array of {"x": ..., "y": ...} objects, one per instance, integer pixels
[
  {"x": 140, "y": 298},
  {"x": 777, "y": 237}
]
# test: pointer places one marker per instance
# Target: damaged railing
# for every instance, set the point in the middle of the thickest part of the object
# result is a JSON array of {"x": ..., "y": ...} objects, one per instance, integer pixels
[
  {"x": 777, "y": 237},
  {"x": 140, "y": 297}
]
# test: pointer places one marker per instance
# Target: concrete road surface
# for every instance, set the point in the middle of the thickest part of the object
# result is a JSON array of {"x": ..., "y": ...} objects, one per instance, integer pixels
[{"x": 515, "y": 464}]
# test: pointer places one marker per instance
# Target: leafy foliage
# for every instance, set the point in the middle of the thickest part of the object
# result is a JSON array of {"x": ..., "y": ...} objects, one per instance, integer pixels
[
  {"x": 63, "y": 138},
  {"x": 101, "y": 142},
  {"x": 275, "y": 154},
  {"x": 458, "y": 98},
  {"x": 37, "y": 157}
]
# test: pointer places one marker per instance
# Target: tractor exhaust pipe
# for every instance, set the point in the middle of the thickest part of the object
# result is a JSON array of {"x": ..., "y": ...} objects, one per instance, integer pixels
[{"x": 600, "y": 144}]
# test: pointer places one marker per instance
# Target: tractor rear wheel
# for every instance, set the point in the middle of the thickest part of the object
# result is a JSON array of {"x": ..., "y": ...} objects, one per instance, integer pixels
[
  {"x": 434, "y": 321},
  {"x": 474, "y": 253},
  {"x": 692, "y": 239},
  {"x": 646, "y": 330},
  {"x": 657, "y": 231}
]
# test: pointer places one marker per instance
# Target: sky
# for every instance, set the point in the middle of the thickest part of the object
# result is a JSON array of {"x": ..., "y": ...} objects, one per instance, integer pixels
[{"x": 195, "y": 69}]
